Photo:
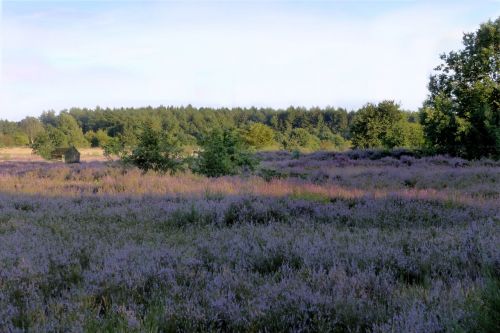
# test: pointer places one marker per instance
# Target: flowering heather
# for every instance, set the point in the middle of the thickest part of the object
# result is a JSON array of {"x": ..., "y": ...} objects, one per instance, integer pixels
[{"x": 327, "y": 242}]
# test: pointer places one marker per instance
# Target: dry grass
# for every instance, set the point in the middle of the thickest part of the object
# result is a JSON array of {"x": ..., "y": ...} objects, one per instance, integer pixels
[
  {"x": 26, "y": 154},
  {"x": 18, "y": 154},
  {"x": 98, "y": 178}
]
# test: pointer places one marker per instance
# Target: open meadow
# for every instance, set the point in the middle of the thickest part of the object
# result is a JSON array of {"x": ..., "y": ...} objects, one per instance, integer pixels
[{"x": 346, "y": 242}]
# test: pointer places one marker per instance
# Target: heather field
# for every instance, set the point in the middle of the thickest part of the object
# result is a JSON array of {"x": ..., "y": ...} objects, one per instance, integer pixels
[{"x": 346, "y": 242}]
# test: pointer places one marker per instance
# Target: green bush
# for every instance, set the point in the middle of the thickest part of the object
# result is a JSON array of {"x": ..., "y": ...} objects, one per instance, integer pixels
[
  {"x": 97, "y": 139},
  {"x": 43, "y": 145},
  {"x": 488, "y": 311},
  {"x": 155, "y": 151},
  {"x": 300, "y": 138},
  {"x": 223, "y": 153}
]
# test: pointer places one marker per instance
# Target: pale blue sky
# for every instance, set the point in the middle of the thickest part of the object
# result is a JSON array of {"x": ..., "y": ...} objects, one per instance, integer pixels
[{"x": 60, "y": 54}]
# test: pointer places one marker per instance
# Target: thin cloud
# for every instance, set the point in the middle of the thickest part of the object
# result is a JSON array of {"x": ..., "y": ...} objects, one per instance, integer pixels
[{"x": 224, "y": 54}]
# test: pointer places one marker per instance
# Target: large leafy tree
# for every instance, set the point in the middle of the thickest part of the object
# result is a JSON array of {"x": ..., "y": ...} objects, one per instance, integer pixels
[
  {"x": 374, "y": 126},
  {"x": 32, "y": 127},
  {"x": 70, "y": 128},
  {"x": 259, "y": 135},
  {"x": 48, "y": 140},
  {"x": 462, "y": 113}
]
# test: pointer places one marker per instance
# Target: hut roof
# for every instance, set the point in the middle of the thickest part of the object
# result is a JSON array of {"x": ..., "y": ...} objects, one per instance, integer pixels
[
  {"x": 61, "y": 151},
  {"x": 67, "y": 154}
]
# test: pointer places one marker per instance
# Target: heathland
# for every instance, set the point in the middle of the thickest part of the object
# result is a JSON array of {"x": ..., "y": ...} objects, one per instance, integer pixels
[
  {"x": 260, "y": 220},
  {"x": 341, "y": 242}
]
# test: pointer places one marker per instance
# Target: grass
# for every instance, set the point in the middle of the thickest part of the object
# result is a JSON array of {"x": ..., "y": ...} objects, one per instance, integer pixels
[{"x": 26, "y": 154}]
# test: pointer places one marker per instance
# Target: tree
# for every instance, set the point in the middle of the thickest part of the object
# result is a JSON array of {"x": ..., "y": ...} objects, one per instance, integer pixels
[
  {"x": 461, "y": 115},
  {"x": 97, "y": 139},
  {"x": 334, "y": 142},
  {"x": 406, "y": 134},
  {"x": 48, "y": 140},
  {"x": 49, "y": 118},
  {"x": 31, "y": 127},
  {"x": 155, "y": 151},
  {"x": 373, "y": 125},
  {"x": 70, "y": 128},
  {"x": 259, "y": 135},
  {"x": 43, "y": 145},
  {"x": 300, "y": 138},
  {"x": 123, "y": 143},
  {"x": 223, "y": 153},
  {"x": 57, "y": 137}
]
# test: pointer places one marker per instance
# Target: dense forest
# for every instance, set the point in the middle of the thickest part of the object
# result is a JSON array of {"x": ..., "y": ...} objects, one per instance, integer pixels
[{"x": 264, "y": 128}]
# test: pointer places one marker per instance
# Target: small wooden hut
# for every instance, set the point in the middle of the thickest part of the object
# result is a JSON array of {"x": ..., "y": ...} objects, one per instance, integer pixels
[{"x": 67, "y": 155}]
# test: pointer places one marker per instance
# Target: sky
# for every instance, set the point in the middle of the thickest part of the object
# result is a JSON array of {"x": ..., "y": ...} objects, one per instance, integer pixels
[{"x": 61, "y": 54}]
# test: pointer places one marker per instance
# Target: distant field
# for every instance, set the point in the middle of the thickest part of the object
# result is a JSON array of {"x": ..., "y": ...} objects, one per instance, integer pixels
[
  {"x": 26, "y": 154},
  {"x": 324, "y": 242}
]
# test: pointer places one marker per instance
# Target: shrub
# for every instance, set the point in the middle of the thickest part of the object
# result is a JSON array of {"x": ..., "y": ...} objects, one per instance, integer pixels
[
  {"x": 97, "y": 139},
  {"x": 488, "y": 313},
  {"x": 156, "y": 151},
  {"x": 300, "y": 138},
  {"x": 270, "y": 174},
  {"x": 223, "y": 153},
  {"x": 43, "y": 145}
]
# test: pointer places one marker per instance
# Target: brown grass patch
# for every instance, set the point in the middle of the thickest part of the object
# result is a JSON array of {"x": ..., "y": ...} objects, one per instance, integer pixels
[{"x": 26, "y": 154}]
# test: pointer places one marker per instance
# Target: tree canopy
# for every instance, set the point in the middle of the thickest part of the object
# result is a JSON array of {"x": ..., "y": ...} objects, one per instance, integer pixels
[
  {"x": 384, "y": 125},
  {"x": 462, "y": 113}
]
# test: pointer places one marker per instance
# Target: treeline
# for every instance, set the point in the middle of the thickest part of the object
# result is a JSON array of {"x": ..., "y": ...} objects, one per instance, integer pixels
[{"x": 385, "y": 124}]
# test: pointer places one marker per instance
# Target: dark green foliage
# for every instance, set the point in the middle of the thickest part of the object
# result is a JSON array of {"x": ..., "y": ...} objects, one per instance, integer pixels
[
  {"x": 114, "y": 147},
  {"x": 484, "y": 307},
  {"x": 57, "y": 137},
  {"x": 58, "y": 132},
  {"x": 296, "y": 154},
  {"x": 223, "y": 153},
  {"x": 373, "y": 125},
  {"x": 190, "y": 124},
  {"x": 71, "y": 130},
  {"x": 97, "y": 139},
  {"x": 124, "y": 141},
  {"x": 43, "y": 145},
  {"x": 488, "y": 312},
  {"x": 326, "y": 128},
  {"x": 48, "y": 140},
  {"x": 155, "y": 151},
  {"x": 385, "y": 126},
  {"x": 462, "y": 114},
  {"x": 49, "y": 118}
]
